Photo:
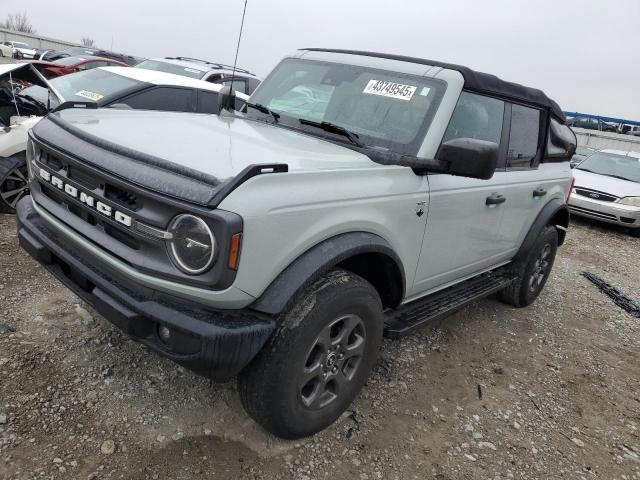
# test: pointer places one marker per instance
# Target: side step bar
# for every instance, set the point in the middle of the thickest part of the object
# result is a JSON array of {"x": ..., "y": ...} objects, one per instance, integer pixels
[{"x": 409, "y": 317}]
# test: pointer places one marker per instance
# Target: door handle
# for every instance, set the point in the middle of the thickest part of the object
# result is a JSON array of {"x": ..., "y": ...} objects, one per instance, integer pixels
[
  {"x": 539, "y": 192},
  {"x": 495, "y": 199}
]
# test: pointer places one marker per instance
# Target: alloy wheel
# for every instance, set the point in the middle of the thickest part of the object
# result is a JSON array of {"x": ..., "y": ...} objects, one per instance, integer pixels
[
  {"x": 540, "y": 268},
  {"x": 332, "y": 362},
  {"x": 14, "y": 186}
]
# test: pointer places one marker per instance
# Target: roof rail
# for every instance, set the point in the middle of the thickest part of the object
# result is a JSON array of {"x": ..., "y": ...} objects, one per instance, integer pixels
[{"x": 211, "y": 64}]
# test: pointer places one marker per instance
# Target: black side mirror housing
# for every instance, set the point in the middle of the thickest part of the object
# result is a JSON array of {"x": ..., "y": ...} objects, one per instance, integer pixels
[
  {"x": 469, "y": 157},
  {"x": 226, "y": 99}
]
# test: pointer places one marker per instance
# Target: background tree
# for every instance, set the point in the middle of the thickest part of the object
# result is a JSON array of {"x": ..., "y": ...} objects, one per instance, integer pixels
[
  {"x": 19, "y": 22},
  {"x": 88, "y": 42}
]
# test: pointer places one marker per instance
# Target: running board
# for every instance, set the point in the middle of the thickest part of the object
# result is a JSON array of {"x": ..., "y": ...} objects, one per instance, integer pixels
[{"x": 409, "y": 317}]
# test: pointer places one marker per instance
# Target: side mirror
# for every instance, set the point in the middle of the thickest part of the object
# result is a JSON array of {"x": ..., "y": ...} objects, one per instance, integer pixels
[
  {"x": 468, "y": 157},
  {"x": 226, "y": 99}
]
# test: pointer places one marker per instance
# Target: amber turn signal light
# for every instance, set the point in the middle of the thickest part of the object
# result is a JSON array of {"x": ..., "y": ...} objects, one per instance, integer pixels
[{"x": 234, "y": 251}]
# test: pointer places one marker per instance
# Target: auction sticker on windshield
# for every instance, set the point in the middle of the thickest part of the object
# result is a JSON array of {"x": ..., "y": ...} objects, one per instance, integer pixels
[
  {"x": 90, "y": 95},
  {"x": 390, "y": 89}
]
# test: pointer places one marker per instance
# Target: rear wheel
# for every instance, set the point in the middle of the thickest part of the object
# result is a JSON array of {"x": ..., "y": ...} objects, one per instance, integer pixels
[
  {"x": 13, "y": 182},
  {"x": 316, "y": 363},
  {"x": 533, "y": 270}
]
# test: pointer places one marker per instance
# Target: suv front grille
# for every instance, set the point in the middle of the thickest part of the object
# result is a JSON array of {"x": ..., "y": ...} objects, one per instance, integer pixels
[{"x": 595, "y": 194}]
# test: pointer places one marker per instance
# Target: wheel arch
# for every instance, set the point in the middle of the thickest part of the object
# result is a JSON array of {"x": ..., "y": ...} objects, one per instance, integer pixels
[
  {"x": 365, "y": 254},
  {"x": 554, "y": 213}
]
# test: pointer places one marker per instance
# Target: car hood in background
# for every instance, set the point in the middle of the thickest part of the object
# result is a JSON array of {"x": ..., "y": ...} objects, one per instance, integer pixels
[
  {"x": 602, "y": 183},
  {"x": 26, "y": 72}
]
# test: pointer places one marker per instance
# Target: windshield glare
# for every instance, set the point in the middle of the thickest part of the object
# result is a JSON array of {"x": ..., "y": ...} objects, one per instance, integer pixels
[
  {"x": 612, "y": 165},
  {"x": 171, "y": 68},
  {"x": 385, "y": 109}
]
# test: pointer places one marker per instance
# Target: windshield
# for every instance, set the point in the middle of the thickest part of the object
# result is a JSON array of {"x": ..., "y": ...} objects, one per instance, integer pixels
[
  {"x": 69, "y": 60},
  {"x": 627, "y": 168},
  {"x": 20, "y": 45},
  {"x": 89, "y": 85},
  {"x": 385, "y": 109},
  {"x": 159, "y": 66},
  {"x": 584, "y": 150}
]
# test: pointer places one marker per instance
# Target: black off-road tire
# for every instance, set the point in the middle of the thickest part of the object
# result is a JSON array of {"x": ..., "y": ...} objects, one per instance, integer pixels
[
  {"x": 634, "y": 232},
  {"x": 277, "y": 389},
  {"x": 533, "y": 270},
  {"x": 13, "y": 176}
]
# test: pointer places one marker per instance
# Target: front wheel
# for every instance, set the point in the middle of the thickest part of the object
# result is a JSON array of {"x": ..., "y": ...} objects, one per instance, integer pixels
[
  {"x": 13, "y": 182},
  {"x": 315, "y": 364},
  {"x": 533, "y": 270}
]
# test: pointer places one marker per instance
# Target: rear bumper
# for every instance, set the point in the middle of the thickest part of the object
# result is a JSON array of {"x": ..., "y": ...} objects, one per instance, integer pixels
[
  {"x": 215, "y": 343},
  {"x": 609, "y": 212}
]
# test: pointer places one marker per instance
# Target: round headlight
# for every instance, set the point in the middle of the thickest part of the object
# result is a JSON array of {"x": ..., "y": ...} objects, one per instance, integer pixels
[{"x": 192, "y": 245}]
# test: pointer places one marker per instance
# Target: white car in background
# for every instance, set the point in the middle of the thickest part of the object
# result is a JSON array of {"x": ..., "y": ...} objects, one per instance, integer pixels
[
  {"x": 21, "y": 49},
  {"x": 122, "y": 87},
  {"x": 607, "y": 189},
  {"x": 5, "y": 50}
]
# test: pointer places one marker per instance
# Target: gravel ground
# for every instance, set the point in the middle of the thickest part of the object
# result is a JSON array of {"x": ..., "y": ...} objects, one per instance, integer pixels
[{"x": 550, "y": 391}]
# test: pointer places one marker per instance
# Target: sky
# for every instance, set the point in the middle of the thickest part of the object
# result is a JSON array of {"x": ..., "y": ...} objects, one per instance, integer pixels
[{"x": 585, "y": 54}]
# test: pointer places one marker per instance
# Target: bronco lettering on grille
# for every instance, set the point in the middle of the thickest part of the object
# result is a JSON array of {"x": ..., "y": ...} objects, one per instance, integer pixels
[{"x": 86, "y": 199}]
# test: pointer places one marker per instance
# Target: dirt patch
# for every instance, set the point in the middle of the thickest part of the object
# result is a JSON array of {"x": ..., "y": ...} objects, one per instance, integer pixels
[{"x": 550, "y": 391}]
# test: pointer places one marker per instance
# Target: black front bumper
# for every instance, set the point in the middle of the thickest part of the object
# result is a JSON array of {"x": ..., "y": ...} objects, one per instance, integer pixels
[{"x": 215, "y": 343}]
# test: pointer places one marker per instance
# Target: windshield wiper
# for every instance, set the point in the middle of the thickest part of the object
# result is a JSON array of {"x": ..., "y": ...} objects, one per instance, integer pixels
[
  {"x": 333, "y": 128},
  {"x": 263, "y": 109}
]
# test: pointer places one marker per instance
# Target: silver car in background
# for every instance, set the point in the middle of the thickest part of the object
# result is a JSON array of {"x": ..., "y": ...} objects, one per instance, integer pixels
[{"x": 607, "y": 188}]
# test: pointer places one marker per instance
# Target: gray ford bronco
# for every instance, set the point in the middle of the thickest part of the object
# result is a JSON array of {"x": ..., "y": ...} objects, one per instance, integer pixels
[{"x": 356, "y": 194}]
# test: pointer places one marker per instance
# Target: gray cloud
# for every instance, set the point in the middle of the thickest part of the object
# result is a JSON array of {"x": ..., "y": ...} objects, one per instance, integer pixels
[{"x": 582, "y": 53}]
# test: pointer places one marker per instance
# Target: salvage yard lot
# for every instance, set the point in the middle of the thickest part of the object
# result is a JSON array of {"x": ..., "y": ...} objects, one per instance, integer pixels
[{"x": 549, "y": 391}]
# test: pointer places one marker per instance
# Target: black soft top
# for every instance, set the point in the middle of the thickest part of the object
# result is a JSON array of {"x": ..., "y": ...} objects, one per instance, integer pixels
[{"x": 474, "y": 81}]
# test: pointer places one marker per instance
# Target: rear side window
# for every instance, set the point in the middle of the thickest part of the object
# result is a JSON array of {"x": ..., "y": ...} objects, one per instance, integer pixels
[
  {"x": 162, "y": 98},
  {"x": 207, "y": 102},
  {"x": 523, "y": 137},
  {"x": 476, "y": 116}
]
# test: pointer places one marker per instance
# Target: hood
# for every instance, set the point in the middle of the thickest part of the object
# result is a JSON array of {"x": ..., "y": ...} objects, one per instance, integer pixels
[
  {"x": 216, "y": 146},
  {"x": 198, "y": 158},
  {"x": 602, "y": 183}
]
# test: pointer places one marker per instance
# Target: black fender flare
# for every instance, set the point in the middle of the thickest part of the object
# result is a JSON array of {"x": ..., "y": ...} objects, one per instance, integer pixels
[
  {"x": 317, "y": 261},
  {"x": 555, "y": 213}
]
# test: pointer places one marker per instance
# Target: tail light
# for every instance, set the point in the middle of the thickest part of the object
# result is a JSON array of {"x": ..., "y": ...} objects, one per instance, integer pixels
[{"x": 573, "y": 182}]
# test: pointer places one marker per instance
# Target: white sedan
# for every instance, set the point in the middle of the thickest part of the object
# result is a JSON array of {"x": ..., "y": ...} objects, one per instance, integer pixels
[{"x": 20, "y": 49}]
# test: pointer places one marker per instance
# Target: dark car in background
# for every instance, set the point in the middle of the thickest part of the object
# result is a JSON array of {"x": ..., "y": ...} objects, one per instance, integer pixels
[
  {"x": 243, "y": 80},
  {"x": 591, "y": 123}
]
